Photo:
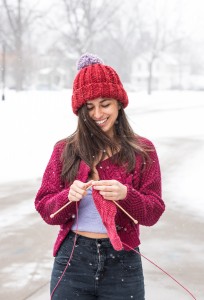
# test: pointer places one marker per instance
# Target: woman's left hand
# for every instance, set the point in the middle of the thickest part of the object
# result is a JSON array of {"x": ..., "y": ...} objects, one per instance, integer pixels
[{"x": 110, "y": 189}]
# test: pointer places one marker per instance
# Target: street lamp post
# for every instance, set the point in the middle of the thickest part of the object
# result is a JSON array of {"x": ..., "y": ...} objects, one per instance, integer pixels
[{"x": 3, "y": 71}]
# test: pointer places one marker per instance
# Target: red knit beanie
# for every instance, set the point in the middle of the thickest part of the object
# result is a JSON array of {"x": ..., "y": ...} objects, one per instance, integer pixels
[{"x": 95, "y": 80}]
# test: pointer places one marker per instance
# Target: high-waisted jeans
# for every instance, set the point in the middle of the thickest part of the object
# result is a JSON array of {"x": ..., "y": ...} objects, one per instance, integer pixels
[{"x": 96, "y": 271}]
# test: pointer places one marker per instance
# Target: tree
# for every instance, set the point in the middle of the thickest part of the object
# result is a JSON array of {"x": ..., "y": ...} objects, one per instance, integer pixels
[
  {"x": 82, "y": 22},
  {"x": 19, "y": 21},
  {"x": 122, "y": 40},
  {"x": 78, "y": 26},
  {"x": 160, "y": 29}
]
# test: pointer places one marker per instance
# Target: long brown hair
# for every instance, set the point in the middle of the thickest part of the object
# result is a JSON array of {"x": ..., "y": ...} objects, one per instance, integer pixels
[{"x": 89, "y": 143}]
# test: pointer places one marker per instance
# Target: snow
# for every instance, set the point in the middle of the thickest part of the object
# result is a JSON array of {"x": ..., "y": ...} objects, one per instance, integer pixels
[
  {"x": 10, "y": 217},
  {"x": 31, "y": 122},
  {"x": 20, "y": 275}
]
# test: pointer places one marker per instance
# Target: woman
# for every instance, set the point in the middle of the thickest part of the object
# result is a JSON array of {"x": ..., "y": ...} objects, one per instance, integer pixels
[{"x": 99, "y": 185}]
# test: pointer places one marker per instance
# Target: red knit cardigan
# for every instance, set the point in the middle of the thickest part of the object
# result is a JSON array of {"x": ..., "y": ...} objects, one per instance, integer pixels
[{"x": 143, "y": 201}]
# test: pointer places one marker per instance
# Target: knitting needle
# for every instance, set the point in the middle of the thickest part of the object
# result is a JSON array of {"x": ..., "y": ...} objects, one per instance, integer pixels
[
  {"x": 52, "y": 215},
  {"x": 135, "y": 221}
]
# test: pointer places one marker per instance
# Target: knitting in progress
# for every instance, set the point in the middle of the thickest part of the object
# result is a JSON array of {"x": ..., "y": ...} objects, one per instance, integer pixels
[{"x": 96, "y": 251}]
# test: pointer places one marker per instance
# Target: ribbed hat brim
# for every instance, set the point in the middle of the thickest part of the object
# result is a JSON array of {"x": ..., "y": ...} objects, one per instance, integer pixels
[{"x": 98, "y": 90}]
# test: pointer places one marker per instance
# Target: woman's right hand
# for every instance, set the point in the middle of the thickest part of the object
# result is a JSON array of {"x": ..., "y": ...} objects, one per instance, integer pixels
[{"x": 78, "y": 190}]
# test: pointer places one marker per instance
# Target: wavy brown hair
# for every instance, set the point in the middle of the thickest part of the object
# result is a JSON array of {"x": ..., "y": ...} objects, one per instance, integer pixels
[{"x": 90, "y": 144}]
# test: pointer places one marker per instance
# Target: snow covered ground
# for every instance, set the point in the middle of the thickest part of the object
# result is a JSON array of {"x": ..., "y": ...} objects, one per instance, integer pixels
[{"x": 31, "y": 122}]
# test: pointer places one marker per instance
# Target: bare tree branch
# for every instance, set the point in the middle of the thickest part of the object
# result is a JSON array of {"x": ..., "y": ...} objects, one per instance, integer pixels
[{"x": 10, "y": 16}]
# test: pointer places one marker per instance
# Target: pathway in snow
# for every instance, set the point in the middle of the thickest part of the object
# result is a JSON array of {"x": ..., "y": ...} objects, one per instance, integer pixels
[
  {"x": 30, "y": 125},
  {"x": 175, "y": 243}
]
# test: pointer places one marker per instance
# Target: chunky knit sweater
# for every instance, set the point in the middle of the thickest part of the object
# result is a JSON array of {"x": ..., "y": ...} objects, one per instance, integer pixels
[{"x": 143, "y": 201}]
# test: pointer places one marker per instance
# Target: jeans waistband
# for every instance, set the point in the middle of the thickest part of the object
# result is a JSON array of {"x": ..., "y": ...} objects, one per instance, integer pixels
[{"x": 89, "y": 241}]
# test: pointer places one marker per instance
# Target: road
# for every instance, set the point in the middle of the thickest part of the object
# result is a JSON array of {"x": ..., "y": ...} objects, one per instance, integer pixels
[{"x": 175, "y": 243}]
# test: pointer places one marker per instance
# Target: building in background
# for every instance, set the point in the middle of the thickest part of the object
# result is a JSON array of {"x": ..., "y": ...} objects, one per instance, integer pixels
[{"x": 166, "y": 74}]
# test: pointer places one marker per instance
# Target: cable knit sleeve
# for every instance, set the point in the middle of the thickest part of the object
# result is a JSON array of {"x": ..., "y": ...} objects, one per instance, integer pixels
[
  {"x": 52, "y": 194},
  {"x": 143, "y": 200}
]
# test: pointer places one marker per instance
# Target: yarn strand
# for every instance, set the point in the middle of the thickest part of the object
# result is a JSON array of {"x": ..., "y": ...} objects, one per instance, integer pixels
[
  {"x": 71, "y": 255},
  {"x": 165, "y": 272},
  {"x": 142, "y": 255}
]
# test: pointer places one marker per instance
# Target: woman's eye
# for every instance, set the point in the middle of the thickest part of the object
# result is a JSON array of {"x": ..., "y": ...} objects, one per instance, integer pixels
[{"x": 92, "y": 107}]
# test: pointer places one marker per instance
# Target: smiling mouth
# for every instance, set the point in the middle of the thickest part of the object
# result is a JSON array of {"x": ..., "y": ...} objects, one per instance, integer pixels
[{"x": 101, "y": 122}]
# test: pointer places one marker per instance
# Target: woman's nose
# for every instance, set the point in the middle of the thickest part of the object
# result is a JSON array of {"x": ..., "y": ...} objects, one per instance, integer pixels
[{"x": 97, "y": 113}]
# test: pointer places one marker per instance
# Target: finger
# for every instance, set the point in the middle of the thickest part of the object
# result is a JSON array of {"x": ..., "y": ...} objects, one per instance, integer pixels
[
  {"x": 72, "y": 198},
  {"x": 78, "y": 188},
  {"x": 75, "y": 189},
  {"x": 79, "y": 195},
  {"x": 103, "y": 182},
  {"x": 88, "y": 184},
  {"x": 81, "y": 185},
  {"x": 107, "y": 188},
  {"x": 75, "y": 196},
  {"x": 103, "y": 188},
  {"x": 74, "y": 193}
]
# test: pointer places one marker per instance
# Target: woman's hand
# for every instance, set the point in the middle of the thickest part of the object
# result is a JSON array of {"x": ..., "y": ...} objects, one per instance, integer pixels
[
  {"x": 110, "y": 189},
  {"x": 78, "y": 190}
]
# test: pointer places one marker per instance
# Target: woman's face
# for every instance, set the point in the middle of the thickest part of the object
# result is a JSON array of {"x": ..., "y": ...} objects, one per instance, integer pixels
[{"x": 104, "y": 112}]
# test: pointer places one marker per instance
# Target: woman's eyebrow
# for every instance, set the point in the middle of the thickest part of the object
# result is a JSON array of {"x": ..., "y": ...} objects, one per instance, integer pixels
[
  {"x": 105, "y": 99},
  {"x": 101, "y": 101}
]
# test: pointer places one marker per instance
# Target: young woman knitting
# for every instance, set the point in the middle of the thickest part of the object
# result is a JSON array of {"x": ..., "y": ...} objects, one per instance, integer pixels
[{"x": 100, "y": 185}]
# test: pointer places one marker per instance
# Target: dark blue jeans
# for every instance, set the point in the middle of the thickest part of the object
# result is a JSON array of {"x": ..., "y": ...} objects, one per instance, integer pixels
[{"x": 96, "y": 271}]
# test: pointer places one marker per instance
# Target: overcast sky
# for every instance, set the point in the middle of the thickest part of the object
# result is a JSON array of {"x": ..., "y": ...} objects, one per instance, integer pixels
[{"x": 192, "y": 12}]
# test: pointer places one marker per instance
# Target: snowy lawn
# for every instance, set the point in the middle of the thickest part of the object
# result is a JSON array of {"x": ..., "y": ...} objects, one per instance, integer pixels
[{"x": 32, "y": 122}]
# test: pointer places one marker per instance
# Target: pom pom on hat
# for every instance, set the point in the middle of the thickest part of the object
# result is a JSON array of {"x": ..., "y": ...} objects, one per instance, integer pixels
[
  {"x": 96, "y": 80},
  {"x": 88, "y": 59}
]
